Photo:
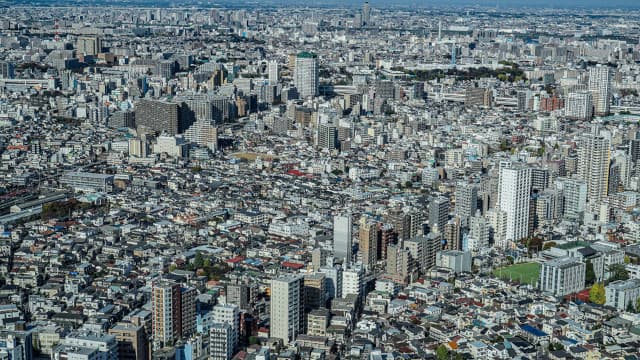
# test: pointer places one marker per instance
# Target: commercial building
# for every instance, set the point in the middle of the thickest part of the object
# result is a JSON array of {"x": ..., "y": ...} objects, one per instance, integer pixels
[
  {"x": 84, "y": 181},
  {"x": 515, "y": 196},
  {"x": 342, "y": 238},
  {"x": 455, "y": 260}
]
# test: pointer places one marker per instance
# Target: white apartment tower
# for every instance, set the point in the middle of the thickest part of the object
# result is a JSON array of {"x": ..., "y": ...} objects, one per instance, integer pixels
[
  {"x": 306, "y": 74},
  {"x": 594, "y": 155},
  {"x": 287, "y": 308},
  {"x": 515, "y": 196},
  {"x": 600, "y": 87}
]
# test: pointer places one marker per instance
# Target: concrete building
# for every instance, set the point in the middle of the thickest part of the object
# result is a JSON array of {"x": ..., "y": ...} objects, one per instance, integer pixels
[
  {"x": 620, "y": 294},
  {"x": 306, "y": 74},
  {"x": 132, "y": 341},
  {"x": 594, "y": 156},
  {"x": 562, "y": 276},
  {"x": 342, "y": 238},
  {"x": 455, "y": 260},
  {"x": 287, "y": 308},
  {"x": 515, "y": 196}
]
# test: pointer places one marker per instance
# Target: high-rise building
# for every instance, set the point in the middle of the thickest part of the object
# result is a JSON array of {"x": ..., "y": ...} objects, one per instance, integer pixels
[
  {"x": 366, "y": 13},
  {"x": 466, "y": 202},
  {"x": 314, "y": 291},
  {"x": 579, "y": 106},
  {"x": 306, "y": 74},
  {"x": 287, "y": 308},
  {"x": 89, "y": 45},
  {"x": 601, "y": 89},
  {"x": 230, "y": 315},
  {"x": 274, "y": 72},
  {"x": 327, "y": 136},
  {"x": 173, "y": 312},
  {"x": 7, "y": 70},
  {"x": 594, "y": 155},
  {"x": 132, "y": 341},
  {"x": 333, "y": 283},
  {"x": 573, "y": 196},
  {"x": 438, "y": 213},
  {"x": 221, "y": 342},
  {"x": 342, "y": 238},
  {"x": 515, "y": 197},
  {"x": 423, "y": 250},
  {"x": 238, "y": 295},
  {"x": 369, "y": 237},
  {"x": 478, "y": 237},
  {"x": 163, "y": 116},
  {"x": 398, "y": 263},
  {"x": 562, "y": 276},
  {"x": 352, "y": 281}
]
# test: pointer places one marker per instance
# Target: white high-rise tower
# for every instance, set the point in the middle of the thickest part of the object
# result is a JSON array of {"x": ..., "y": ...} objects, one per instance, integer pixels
[
  {"x": 306, "y": 74},
  {"x": 515, "y": 195}
]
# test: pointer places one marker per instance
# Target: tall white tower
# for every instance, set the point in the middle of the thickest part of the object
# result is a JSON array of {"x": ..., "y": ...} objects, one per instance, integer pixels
[
  {"x": 600, "y": 87},
  {"x": 287, "y": 308},
  {"x": 306, "y": 74},
  {"x": 274, "y": 72},
  {"x": 515, "y": 194},
  {"x": 342, "y": 238}
]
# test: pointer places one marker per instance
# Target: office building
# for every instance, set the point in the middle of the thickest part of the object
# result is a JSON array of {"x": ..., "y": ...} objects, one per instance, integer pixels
[
  {"x": 333, "y": 284},
  {"x": 315, "y": 291},
  {"x": 562, "y": 276},
  {"x": 306, "y": 74},
  {"x": 594, "y": 155},
  {"x": 515, "y": 197},
  {"x": 342, "y": 238},
  {"x": 317, "y": 322},
  {"x": 287, "y": 308},
  {"x": 398, "y": 263},
  {"x": 352, "y": 281}
]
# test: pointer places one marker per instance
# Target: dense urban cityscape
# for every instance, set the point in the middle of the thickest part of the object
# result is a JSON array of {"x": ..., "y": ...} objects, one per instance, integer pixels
[{"x": 355, "y": 181}]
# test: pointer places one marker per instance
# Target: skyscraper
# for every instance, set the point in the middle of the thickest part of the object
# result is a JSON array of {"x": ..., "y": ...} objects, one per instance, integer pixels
[
  {"x": 287, "y": 308},
  {"x": 600, "y": 87},
  {"x": 89, "y": 45},
  {"x": 593, "y": 165},
  {"x": 306, "y": 74},
  {"x": 342, "y": 238},
  {"x": 274, "y": 72},
  {"x": 515, "y": 196},
  {"x": 366, "y": 13},
  {"x": 220, "y": 342}
]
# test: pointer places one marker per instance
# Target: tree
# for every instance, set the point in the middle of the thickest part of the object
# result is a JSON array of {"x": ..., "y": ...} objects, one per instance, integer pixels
[
  {"x": 618, "y": 272},
  {"x": 442, "y": 353},
  {"x": 627, "y": 259},
  {"x": 597, "y": 294},
  {"x": 638, "y": 305},
  {"x": 590, "y": 274},
  {"x": 548, "y": 245},
  {"x": 198, "y": 262}
]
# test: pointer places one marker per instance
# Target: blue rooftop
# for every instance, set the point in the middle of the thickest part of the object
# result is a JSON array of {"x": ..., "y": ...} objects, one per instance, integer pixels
[{"x": 532, "y": 330}]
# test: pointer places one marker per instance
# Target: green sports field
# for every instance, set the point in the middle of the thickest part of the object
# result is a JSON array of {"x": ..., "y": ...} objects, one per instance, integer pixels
[{"x": 526, "y": 273}]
